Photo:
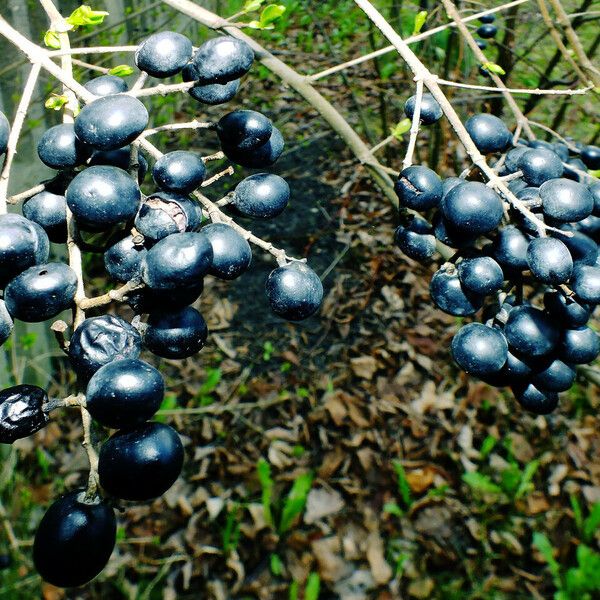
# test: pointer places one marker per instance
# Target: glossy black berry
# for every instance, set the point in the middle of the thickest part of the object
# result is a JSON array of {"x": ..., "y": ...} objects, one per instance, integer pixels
[
  {"x": 510, "y": 248},
  {"x": 586, "y": 283},
  {"x": 120, "y": 158},
  {"x": 209, "y": 93},
  {"x": 579, "y": 346},
  {"x": 539, "y": 165},
  {"x": 489, "y": 133},
  {"x": 23, "y": 243},
  {"x": 263, "y": 195},
  {"x": 419, "y": 188},
  {"x": 261, "y": 157},
  {"x": 175, "y": 334},
  {"x": 101, "y": 340},
  {"x": 177, "y": 261},
  {"x": 6, "y": 323},
  {"x": 103, "y": 196},
  {"x": 106, "y": 85},
  {"x": 590, "y": 155},
  {"x": 21, "y": 412},
  {"x": 41, "y": 292},
  {"x": 179, "y": 171},
  {"x": 532, "y": 399},
  {"x": 558, "y": 376},
  {"x": 49, "y": 211},
  {"x": 74, "y": 540},
  {"x": 565, "y": 200},
  {"x": 487, "y": 18},
  {"x": 549, "y": 260},
  {"x": 567, "y": 310},
  {"x": 111, "y": 122},
  {"x": 481, "y": 44},
  {"x": 416, "y": 239},
  {"x": 511, "y": 162},
  {"x": 244, "y": 130},
  {"x": 473, "y": 208},
  {"x": 295, "y": 291},
  {"x": 164, "y": 213},
  {"x": 163, "y": 54},
  {"x": 231, "y": 252},
  {"x": 59, "y": 148},
  {"x": 431, "y": 111},
  {"x": 123, "y": 259},
  {"x": 222, "y": 59},
  {"x": 481, "y": 275},
  {"x": 487, "y": 31},
  {"x": 479, "y": 349},
  {"x": 530, "y": 331},
  {"x": 124, "y": 393},
  {"x": 583, "y": 249},
  {"x": 448, "y": 295},
  {"x": 141, "y": 463}
]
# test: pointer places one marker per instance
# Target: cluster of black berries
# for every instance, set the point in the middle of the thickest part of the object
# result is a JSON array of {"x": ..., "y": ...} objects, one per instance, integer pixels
[
  {"x": 487, "y": 30},
  {"x": 531, "y": 266},
  {"x": 160, "y": 245}
]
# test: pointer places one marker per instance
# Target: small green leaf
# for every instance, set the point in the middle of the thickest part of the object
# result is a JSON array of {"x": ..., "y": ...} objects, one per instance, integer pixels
[
  {"x": 419, "y": 21},
  {"x": 84, "y": 15},
  {"x": 403, "y": 487},
  {"x": 254, "y": 25},
  {"x": 401, "y": 128},
  {"x": 393, "y": 509},
  {"x": 313, "y": 587},
  {"x": 294, "y": 590},
  {"x": 252, "y": 5},
  {"x": 591, "y": 522},
  {"x": 263, "y": 469},
  {"x": 296, "y": 501},
  {"x": 276, "y": 565},
  {"x": 487, "y": 446},
  {"x": 481, "y": 483},
  {"x": 56, "y": 102},
  {"x": 270, "y": 14},
  {"x": 545, "y": 548},
  {"x": 121, "y": 70},
  {"x": 51, "y": 39},
  {"x": 525, "y": 486},
  {"x": 494, "y": 68}
]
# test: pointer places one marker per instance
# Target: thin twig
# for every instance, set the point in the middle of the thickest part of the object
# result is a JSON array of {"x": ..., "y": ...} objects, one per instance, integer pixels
[
  {"x": 118, "y": 295},
  {"x": 414, "y": 128},
  {"x": 195, "y": 124},
  {"x": 15, "y": 131},
  {"x": 410, "y": 40},
  {"x": 534, "y": 91},
  {"x": 26, "y": 194}
]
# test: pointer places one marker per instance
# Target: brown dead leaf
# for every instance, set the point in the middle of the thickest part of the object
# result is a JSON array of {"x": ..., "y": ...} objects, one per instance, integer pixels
[
  {"x": 421, "y": 479},
  {"x": 364, "y": 366},
  {"x": 331, "y": 565},
  {"x": 322, "y": 503},
  {"x": 336, "y": 407},
  {"x": 381, "y": 570},
  {"x": 537, "y": 503}
]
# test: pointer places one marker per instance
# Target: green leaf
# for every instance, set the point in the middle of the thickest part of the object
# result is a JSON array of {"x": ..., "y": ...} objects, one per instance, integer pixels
[
  {"x": 313, "y": 587},
  {"x": 84, "y": 15},
  {"x": 494, "y": 68},
  {"x": 545, "y": 548},
  {"x": 263, "y": 469},
  {"x": 252, "y": 5},
  {"x": 121, "y": 70},
  {"x": 268, "y": 16},
  {"x": 481, "y": 483},
  {"x": 296, "y": 501},
  {"x": 276, "y": 565},
  {"x": 213, "y": 377},
  {"x": 294, "y": 590},
  {"x": 393, "y": 509},
  {"x": 591, "y": 522},
  {"x": 401, "y": 128},
  {"x": 56, "y": 102},
  {"x": 231, "y": 531},
  {"x": 525, "y": 485},
  {"x": 52, "y": 40},
  {"x": 487, "y": 446},
  {"x": 577, "y": 512},
  {"x": 403, "y": 487},
  {"x": 419, "y": 21}
]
